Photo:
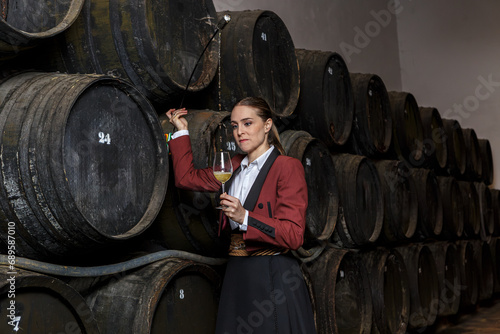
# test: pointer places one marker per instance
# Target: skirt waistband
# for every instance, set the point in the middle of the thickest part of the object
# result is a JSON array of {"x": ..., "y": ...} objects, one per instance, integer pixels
[{"x": 237, "y": 247}]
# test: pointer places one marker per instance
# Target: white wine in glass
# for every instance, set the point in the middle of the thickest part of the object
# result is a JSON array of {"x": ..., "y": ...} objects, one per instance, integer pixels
[{"x": 222, "y": 168}]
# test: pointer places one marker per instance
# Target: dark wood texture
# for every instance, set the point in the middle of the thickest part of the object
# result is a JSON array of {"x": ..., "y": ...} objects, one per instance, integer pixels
[
  {"x": 389, "y": 288},
  {"x": 84, "y": 163},
  {"x": 323, "y": 194},
  {"x": 152, "y": 44},
  {"x": 342, "y": 293},
  {"x": 435, "y": 148},
  {"x": 372, "y": 127},
  {"x": 408, "y": 133},
  {"x": 326, "y": 104},
  {"x": 361, "y": 212},
  {"x": 167, "y": 296},
  {"x": 257, "y": 59},
  {"x": 27, "y": 23},
  {"x": 44, "y": 304},
  {"x": 483, "y": 260},
  {"x": 486, "y": 161},
  {"x": 453, "y": 207},
  {"x": 485, "y": 211},
  {"x": 472, "y": 221},
  {"x": 469, "y": 279},
  {"x": 474, "y": 166},
  {"x": 430, "y": 205},
  {"x": 423, "y": 279},
  {"x": 448, "y": 270},
  {"x": 455, "y": 144},
  {"x": 400, "y": 201}
]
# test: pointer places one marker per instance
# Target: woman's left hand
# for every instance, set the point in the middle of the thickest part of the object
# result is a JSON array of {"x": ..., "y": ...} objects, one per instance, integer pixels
[{"x": 232, "y": 208}]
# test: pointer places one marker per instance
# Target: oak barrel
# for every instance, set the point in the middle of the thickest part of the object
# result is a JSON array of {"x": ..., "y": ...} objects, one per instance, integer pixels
[
  {"x": 455, "y": 144},
  {"x": 400, "y": 201},
  {"x": 390, "y": 290},
  {"x": 153, "y": 44},
  {"x": 448, "y": 269},
  {"x": 469, "y": 293},
  {"x": 326, "y": 105},
  {"x": 470, "y": 197},
  {"x": 361, "y": 207},
  {"x": 495, "y": 254},
  {"x": 372, "y": 126},
  {"x": 435, "y": 149},
  {"x": 84, "y": 163},
  {"x": 408, "y": 133},
  {"x": 342, "y": 293},
  {"x": 24, "y": 24},
  {"x": 486, "y": 214},
  {"x": 430, "y": 204},
  {"x": 495, "y": 204},
  {"x": 453, "y": 207},
  {"x": 322, "y": 189},
  {"x": 486, "y": 161},
  {"x": 257, "y": 46},
  {"x": 423, "y": 279},
  {"x": 483, "y": 260},
  {"x": 168, "y": 296},
  {"x": 474, "y": 166},
  {"x": 34, "y": 303}
]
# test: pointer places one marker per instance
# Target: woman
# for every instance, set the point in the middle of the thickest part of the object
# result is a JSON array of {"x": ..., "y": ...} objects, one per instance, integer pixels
[{"x": 264, "y": 210}]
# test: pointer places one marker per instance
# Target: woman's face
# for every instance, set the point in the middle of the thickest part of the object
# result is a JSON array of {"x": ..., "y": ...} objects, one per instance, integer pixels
[{"x": 249, "y": 130}]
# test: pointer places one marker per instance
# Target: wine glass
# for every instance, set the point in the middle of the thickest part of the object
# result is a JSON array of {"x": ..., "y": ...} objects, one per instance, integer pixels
[{"x": 222, "y": 168}]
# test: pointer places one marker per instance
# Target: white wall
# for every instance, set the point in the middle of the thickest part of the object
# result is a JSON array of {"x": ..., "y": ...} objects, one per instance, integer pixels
[
  {"x": 448, "y": 50},
  {"x": 445, "y": 52}
]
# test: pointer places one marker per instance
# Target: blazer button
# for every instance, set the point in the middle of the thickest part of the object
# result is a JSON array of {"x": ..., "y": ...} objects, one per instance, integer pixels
[{"x": 261, "y": 206}]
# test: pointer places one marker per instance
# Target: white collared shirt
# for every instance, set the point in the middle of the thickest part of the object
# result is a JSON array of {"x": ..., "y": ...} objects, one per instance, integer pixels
[{"x": 243, "y": 182}]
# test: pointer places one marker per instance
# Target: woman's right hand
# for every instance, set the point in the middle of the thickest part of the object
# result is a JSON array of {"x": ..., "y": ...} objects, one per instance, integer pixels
[{"x": 175, "y": 117}]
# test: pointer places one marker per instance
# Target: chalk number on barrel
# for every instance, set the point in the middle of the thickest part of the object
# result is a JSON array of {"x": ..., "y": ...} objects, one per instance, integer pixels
[{"x": 104, "y": 138}]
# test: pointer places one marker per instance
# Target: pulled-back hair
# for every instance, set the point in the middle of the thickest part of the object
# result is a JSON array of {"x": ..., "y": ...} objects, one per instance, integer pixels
[{"x": 264, "y": 112}]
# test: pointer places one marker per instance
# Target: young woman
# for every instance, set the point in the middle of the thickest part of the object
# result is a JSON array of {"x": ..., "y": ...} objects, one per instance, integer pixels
[{"x": 264, "y": 210}]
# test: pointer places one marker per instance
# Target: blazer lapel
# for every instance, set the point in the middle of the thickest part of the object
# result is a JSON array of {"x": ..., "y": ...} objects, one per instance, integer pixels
[{"x": 254, "y": 193}]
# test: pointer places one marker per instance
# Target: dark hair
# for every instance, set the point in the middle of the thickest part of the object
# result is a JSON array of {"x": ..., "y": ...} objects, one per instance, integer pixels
[{"x": 264, "y": 112}]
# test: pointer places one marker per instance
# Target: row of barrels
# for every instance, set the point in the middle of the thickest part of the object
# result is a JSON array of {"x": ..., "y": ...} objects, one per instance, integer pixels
[
  {"x": 382, "y": 150},
  {"x": 406, "y": 288},
  {"x": 386, "y": 197},
  {"x": 379, "y": 290},
  {"x": 355, "y": 201},
  {"x": 350, "y": 111},
  {"x": 161, "y": 297},
  {"x": 355, "y": 113},
  {"x": 160, "y": 49}
]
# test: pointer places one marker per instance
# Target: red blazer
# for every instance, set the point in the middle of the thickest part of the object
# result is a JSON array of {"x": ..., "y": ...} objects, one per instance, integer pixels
[{"x": 276, "y": 203}]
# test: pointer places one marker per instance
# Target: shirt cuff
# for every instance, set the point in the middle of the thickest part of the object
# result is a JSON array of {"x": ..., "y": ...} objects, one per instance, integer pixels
[
  {"x": 244, "y": 225},
  {"x": 180, "y": 133}
]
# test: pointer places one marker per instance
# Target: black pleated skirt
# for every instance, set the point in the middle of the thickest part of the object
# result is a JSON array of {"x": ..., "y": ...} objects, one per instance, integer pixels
[{"x": 264, "y": 295}]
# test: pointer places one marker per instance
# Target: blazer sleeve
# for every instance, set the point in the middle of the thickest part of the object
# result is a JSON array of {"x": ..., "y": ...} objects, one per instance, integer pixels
[
  {"x": 186, "y": 175},
  {"x": 287, "y": 225}
]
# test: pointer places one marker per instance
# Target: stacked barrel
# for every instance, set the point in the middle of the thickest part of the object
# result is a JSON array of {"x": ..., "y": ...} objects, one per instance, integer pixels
[
  {"x": 402, "y": 222},
  {"x": 85, "y": 166},
  {"x": 415, "y": 206}
]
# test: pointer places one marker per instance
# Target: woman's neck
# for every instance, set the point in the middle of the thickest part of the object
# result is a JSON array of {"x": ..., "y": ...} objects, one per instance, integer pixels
[{"x": 252, "y": 156}]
